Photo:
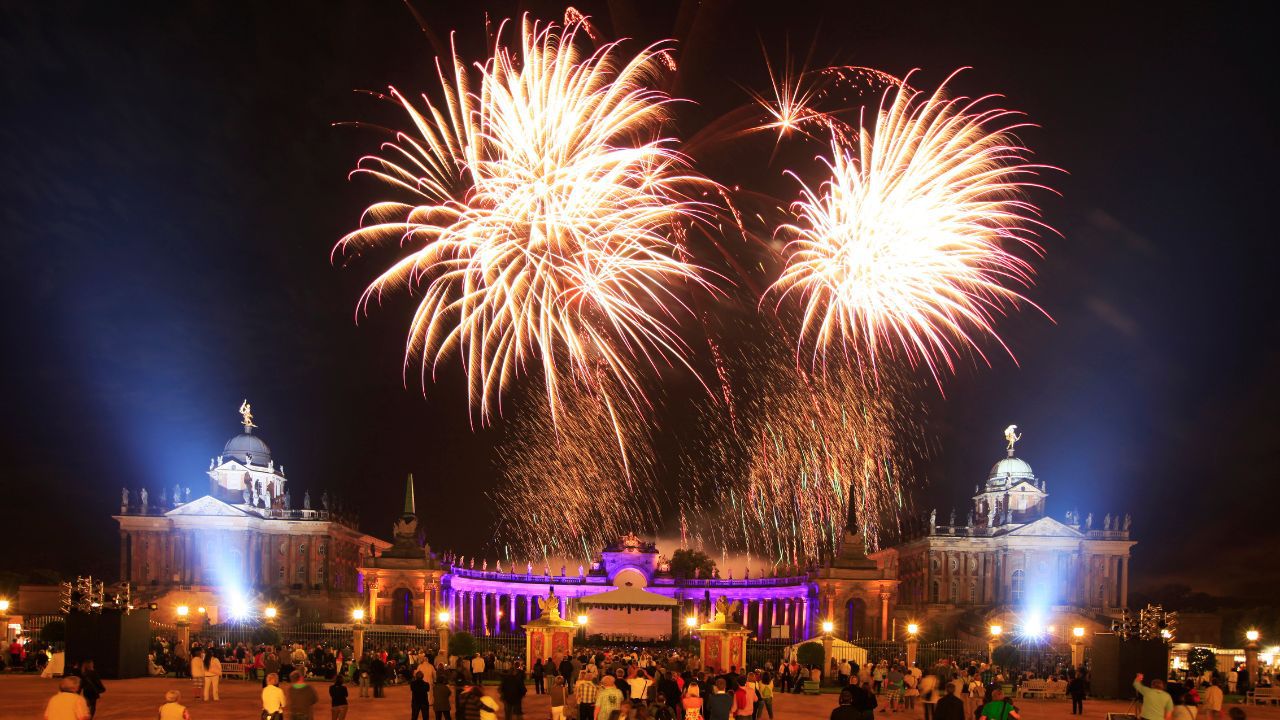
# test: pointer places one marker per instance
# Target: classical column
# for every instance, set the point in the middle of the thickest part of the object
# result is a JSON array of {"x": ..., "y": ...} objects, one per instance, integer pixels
[
  {"x": 484, "y": 613},
  {"x": 124, "y": 556},
  {"x": 1124, "y": 582},
  {"x": 372, "y": 586},
  {"x": 884, "y": 615}
]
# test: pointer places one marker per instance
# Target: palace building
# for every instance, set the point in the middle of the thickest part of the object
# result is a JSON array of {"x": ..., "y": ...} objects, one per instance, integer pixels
[{"x": 243, "y": 541}]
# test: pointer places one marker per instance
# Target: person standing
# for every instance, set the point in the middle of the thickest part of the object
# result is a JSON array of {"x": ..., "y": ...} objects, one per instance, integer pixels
[
  {"x": 998, "y": 709},
  {"x": 584, "y": 692},
  {"x": 172, "y": 709},
  {"x": 419, "y": 697},
  {"x": 557, "y": 693},
  {"x": 91, "y": 686},
  {"x": 1212, "y": 701},
  {"x": 1156, "y": 703},
  {"x": 338, "y": 702},
  {"x": 270, "y": 665},
  {"x": 212, "y": 675},
  {"x": 609, "y": 698},
  {"x": 378, "y": 676},
  {"x": 1076, "y": 690},
  {"x": 440, "y": 697},
  {"x": 744, "y": 699},
  {"x": 537, "y": 671},
  {"x": 300, "y": 701},
  {"x": 512, "y": 690},
  {"x": 950, "y": 706},
  {"x": 272, "y": 698},
  {"x": 720, "y": 703},
  {"x": 692, "y": 702},
  {"x": 67, "y": 704},
  {"x": 845, "y": 709},
  {"x": 197, "y": 672},
  {"x": 764, "y": 688}
]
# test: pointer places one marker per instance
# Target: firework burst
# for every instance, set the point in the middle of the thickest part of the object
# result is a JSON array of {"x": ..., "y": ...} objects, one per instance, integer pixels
[
  {"x": 905, "y": 246},
  {"x": 570, "y": 487},
  {"x": 812, "y": 454},
  {"x": 543, "y": 196}
]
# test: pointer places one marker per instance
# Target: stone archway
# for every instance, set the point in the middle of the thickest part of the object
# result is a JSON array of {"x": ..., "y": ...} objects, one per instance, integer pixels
[
  {"x": 402, "y": 607},
  {"x": 855, "y": 618}
]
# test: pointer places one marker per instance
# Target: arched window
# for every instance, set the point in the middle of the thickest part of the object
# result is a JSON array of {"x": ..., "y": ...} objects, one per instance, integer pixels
[{"x": 1015, "y": 586}]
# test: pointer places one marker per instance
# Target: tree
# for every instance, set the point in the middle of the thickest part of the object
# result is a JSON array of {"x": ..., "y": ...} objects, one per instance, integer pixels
[
  {"x": 1006, "y": 656},
  {"x": 463, "y": 644},
  {"x": 266, "y": 635},
  {"x": 1201, "y": 660},
  {"x": 54, "y": 631},
  {"x": 811, "y": 653},
  {"x": 686, "y": 563}
]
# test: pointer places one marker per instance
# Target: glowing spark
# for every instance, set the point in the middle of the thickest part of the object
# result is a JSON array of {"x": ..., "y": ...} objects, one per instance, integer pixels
[
  {"x": 539, "y": 232},
  {"x": 903, "y": 245}
]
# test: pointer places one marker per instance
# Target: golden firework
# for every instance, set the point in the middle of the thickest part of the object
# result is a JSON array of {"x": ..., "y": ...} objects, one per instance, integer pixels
[{"x": 543, "y": 197}]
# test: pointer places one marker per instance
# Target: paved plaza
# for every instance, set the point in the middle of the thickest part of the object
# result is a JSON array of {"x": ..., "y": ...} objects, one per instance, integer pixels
[{"x": 25, "y": 697}]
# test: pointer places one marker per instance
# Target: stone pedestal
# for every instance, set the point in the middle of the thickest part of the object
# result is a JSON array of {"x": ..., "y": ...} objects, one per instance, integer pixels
[
  {"x": 1077, "y": 654},
  {"x": 913, "y": 647},
  {"x": 357, "y": 642},
  {"x": 1251, "y": 662},
  {"x": 826, "y": 655},
  {"x": 550, "y": 636},
  {"x": 184, "y": 640},
  {"x": 722, "y": 643}
]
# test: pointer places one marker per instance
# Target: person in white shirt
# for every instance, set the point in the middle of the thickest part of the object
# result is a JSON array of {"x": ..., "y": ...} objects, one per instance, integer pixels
[
  {"x": 197, "y": 671},
  {"x": 477, "y": 667},
  {"x": 273, "y": 697},
  {"x": 212, "y": 675}
]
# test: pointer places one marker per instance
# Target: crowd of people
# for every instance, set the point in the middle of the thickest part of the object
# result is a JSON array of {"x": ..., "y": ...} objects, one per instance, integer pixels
[{"x": 610, "y": 683}]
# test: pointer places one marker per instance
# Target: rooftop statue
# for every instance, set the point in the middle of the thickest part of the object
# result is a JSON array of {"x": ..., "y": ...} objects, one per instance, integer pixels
[
  {"x": 246, "y": 415},
  {"x": 1011, "y": 436}
]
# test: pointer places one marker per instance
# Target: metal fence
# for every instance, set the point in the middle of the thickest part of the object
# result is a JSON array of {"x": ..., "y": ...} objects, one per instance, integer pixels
[{"x": 376, "y": 637}]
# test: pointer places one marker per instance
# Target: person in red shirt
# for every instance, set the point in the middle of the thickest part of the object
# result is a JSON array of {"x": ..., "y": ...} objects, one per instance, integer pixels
[{"x": 744, "y": 701}]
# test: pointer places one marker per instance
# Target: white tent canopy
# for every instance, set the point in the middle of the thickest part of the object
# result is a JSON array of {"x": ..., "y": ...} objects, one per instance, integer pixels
[
  {"x": 629, "y": 596},
  {"x": 840, "y": 650}
]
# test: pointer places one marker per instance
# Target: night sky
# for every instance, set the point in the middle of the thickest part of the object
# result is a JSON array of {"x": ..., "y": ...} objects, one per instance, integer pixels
[{"x": 173, "y": 183}]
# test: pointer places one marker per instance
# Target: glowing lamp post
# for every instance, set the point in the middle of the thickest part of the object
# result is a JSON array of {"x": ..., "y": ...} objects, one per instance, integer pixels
[
  {"x": 1251, "y": 655},
  {"x": 442, "y": 629},
  {"x": 913, "y": 643},
  {"x": 183, "y": 650},
  {"x": 828, "y": 627},
  {"x": 1077, "y": 647},
  {"x": 270, "y": 613},
  {"x": 357, "y": 634},
  {"x": 993, "y": 641},
  {"x": 4, "y": 620}
]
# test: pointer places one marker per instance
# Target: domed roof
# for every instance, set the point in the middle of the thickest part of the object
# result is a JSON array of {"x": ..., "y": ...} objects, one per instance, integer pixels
[
  {"x": 249, "y": 448},
  {"x": 1011, "y": 466}
]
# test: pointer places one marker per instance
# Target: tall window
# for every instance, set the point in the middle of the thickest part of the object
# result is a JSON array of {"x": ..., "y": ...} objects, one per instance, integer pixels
[
  {"x": 954, "y": 598},
  {"x": 973, "y": 592},
  {"x": 934, "y": 590},
  {"x": 1015, "y": 586}
]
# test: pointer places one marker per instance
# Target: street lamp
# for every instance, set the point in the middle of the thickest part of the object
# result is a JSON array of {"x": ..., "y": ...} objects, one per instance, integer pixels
[
  {"x": 4, "y": 606},
  {"x": 828, "y": 626},
  {"x": 1252, "y": 636},
  {"x": 444, "y": 617},
  {"x": 913, "y": 643},
  {"x": 996, "y": 631},
  {"x": 1251, "y": 655},
  {"x": 691, "y": 622},
  {"x": 993, "y": 641},
  {"x": 582, "y": 619},
  {"x": 1077, "y": 647},
  {"x": 183, "y": 612},
  {"x": 357, "y": 633},
  {"x": 270, "y": 612}
]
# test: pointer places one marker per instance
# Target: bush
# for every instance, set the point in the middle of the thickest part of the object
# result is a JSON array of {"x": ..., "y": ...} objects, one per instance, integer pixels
[
  {"x": 811, "y": 654},
  {"x": 463, "y": 644},
  {"x": 54, "y": 631}
]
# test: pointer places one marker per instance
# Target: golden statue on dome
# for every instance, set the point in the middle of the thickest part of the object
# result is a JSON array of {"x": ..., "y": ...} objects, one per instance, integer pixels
[
  {"x": 1011, "y": 436},
  {"x": 246, "y": 415}
]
